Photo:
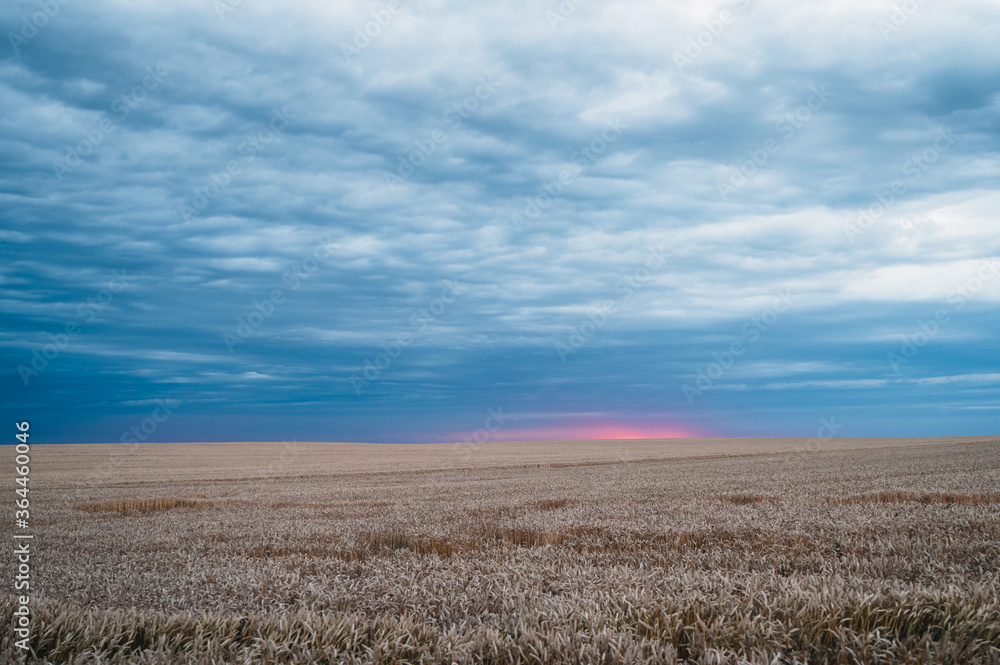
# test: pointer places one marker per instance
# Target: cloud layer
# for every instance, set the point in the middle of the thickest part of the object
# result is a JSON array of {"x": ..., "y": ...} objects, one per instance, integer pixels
[{"x": 376, "y": 221}]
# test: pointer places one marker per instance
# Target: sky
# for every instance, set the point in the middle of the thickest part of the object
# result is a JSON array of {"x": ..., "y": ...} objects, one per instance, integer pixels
[{"x": 433, "y": 221}]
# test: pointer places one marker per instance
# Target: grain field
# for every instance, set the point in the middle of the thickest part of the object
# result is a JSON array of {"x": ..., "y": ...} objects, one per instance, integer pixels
[{"x": 724, "y": 551}]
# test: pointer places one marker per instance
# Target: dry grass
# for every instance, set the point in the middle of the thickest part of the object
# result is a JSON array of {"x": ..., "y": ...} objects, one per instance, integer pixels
[
  {"x": 726, "y": 561},
  {"x": 669, "y": 632},
  {"x": 911, "y": 497},
  {"x": 148, "y": 505},
  {"x": 744, "y": 499},
  {"x": 485, "y": 538},
  {"x": 552, "y": 504},
  {"x": 371, "y": 545}
]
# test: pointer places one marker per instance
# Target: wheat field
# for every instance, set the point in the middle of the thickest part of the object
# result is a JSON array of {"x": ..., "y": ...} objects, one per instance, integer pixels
[{"x": 671, "y": 551}]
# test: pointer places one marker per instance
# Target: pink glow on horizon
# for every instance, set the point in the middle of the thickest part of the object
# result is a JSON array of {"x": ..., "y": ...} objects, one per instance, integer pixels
[{"x": 577, "y": 432}]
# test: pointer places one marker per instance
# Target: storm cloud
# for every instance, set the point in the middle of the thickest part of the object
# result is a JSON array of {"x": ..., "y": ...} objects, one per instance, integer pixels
[{"x": 379, "y": 221}]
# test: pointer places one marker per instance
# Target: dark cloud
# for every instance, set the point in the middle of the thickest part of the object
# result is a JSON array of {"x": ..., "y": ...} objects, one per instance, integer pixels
[{"x": 271, "y": 268}]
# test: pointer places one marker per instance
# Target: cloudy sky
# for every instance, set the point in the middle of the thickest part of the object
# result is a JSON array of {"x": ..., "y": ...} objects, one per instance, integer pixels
[{"x": 372, "y": 221}]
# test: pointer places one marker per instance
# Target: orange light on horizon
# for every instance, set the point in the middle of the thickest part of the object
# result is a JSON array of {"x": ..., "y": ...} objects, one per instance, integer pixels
[{"x": 605, "y": 430}]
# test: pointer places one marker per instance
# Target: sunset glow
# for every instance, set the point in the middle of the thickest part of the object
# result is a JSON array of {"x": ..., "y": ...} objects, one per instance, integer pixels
[{"x": 576, "y": 432}]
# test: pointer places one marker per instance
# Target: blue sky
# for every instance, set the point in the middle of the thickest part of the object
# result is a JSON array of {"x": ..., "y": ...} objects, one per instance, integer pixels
[{"x": 376, "y": 221}]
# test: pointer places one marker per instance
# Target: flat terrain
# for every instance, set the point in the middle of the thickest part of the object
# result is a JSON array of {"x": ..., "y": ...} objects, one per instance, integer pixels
[
  {"x": 662, "y": 551},
  {"x": 85, "y": 465}
]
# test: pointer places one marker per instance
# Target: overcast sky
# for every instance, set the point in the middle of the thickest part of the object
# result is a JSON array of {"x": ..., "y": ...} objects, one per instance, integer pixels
[{"x": 379, "y": 221}]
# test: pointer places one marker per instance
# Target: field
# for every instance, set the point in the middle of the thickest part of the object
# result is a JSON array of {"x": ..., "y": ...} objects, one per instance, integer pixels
[{"x": 703, "y": 551}]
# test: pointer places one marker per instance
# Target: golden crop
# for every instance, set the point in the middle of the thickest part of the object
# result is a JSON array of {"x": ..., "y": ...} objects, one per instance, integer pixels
[{"x": 611, "y": 552}]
